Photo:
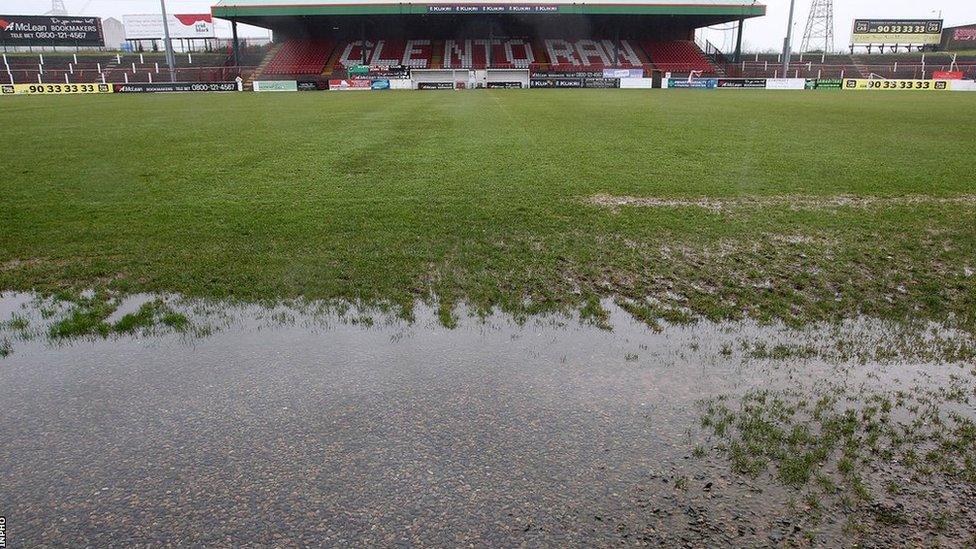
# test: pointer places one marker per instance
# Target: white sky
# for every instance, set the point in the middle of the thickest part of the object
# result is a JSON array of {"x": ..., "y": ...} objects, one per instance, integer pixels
[{"x": 764, "y": 33}]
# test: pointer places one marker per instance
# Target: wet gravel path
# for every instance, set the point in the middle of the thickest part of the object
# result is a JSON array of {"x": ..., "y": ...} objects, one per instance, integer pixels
[{"x": 490, "y": 435}]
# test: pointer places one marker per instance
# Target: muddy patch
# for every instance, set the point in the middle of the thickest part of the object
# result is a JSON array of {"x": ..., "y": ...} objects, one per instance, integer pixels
[
  {"x": 790, "y": 202},
  {"x": 33, "y": 263}
]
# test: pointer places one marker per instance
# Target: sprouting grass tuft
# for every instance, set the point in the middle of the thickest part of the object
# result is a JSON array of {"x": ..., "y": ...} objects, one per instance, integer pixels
[
  {"x": 842, "y": 440},
  {"x": 142, "y": 319},
  {"x": 593, "y": 312},
  {"x": 176, "y": 321},
  {"x": 18, "y": 323},
  {"x": 446, "y": 316},
  {"x": 87, "y": 318}
]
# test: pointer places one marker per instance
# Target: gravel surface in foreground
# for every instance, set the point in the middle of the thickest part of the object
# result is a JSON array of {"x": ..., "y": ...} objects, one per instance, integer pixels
[{"x": 490, "y": 434}]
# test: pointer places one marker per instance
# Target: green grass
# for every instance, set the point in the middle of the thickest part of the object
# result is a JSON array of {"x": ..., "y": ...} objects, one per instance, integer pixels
[
  {"x": 89, "y": 316},
  {"x": 481, "y": 197},
  {"x": 849, "y": 437},
  {"x": 142, "y": 319}
]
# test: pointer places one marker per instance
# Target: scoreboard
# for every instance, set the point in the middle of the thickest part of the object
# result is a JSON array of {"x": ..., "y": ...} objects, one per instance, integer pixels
[{"x": 897, "y": 32}]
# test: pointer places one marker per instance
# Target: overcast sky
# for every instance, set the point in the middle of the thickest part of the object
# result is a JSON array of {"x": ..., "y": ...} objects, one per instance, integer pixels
[{"x": 765, "y": 33}]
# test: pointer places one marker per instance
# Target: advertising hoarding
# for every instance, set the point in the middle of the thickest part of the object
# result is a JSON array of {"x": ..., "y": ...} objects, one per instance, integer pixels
[
  {"x": 181, "y": 25},
  {"x": 786, "y": 83},
  {"x": 824, "y": 84},
  {"x": 696, "y": 83},
  {"x": 54, "y": 89},
  {"x": 275, "y": 85},
  {"x": 349, "y": 85},
  {"x": 171, "y": 87},
  {"x": 623, "y": 73},
  {"x": 892, "y": 85},
  {"x": 897, "y": 31},
  {"x": 948, "y": 75},
  {"x": 742, "y": 83},
  {"x": 959, "y": 38},
  {"x": 435, "y": 85},
  {"x": 43, "y": 30}
]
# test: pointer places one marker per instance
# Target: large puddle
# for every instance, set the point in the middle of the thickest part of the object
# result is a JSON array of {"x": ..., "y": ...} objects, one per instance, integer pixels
[{"x": 291, "y": 426}]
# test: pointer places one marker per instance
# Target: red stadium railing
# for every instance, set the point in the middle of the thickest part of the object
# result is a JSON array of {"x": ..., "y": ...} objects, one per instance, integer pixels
[
  {"x": 752, "y": 69},
  {"x": 187, "y": 74}
]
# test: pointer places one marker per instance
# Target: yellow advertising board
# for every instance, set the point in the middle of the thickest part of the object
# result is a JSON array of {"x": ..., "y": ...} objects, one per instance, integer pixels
[
  {"x": 897, "y": 31},
  {"x": 53, "y": 89},
  {"x": 887, "y": 85}
]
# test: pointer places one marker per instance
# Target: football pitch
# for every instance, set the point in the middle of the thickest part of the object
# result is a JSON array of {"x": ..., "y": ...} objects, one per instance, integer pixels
[{"x": 680, "y": 204}]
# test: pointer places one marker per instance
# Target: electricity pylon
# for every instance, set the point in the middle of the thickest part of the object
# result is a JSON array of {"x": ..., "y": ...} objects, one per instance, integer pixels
[
  {"x": 57, "y": 8},
  {"x": 819, "y": 35}
]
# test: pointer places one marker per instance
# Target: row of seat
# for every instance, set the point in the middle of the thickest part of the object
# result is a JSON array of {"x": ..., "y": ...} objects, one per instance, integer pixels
[
  {"x": 480, "y": 53},
  {"x": 300, "y": 57},
  {"x": 678, "y": 56},
  {"x": 305, "y": 57}
]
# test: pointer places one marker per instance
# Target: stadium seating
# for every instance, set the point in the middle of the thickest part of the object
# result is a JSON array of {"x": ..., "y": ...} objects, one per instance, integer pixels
[
  {"x": 678, "y": 56},
  {"x": 297, "y": 57},
  {"x": 590, "y": 54},
  {"x": 473, "y": 53},
  {"x": 409, "y": 53}
]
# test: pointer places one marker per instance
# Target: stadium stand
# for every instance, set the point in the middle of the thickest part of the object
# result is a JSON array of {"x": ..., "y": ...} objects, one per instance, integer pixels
[
  {"x": 592, "y": 54},
  {"x": 298, "y": 57},
  {"x": 680, "y": 56},
  {"x": 475, "y": 53},
  {"x": 409, "y": 53},
  {"x": 554, "y": 37}
]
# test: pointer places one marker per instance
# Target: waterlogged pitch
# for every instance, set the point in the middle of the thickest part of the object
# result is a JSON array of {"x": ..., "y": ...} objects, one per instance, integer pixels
[
  {"x": 801, "y": 206},
  {"x": 433, "y": 409}
]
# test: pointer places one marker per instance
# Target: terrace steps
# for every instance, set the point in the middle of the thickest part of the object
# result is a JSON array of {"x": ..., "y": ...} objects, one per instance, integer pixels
[{"x": 272, "y": 52}]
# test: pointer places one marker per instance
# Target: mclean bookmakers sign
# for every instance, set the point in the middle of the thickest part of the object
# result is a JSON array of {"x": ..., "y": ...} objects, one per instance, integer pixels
[{"x": 36, "y": 30}]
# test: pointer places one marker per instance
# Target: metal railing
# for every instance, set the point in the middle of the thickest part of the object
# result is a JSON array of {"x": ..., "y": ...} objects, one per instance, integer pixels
[
  {"x": 122, "y": 75},
  {"x": 770, "y": 69},
  {"x": 712, "y": 51}
]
